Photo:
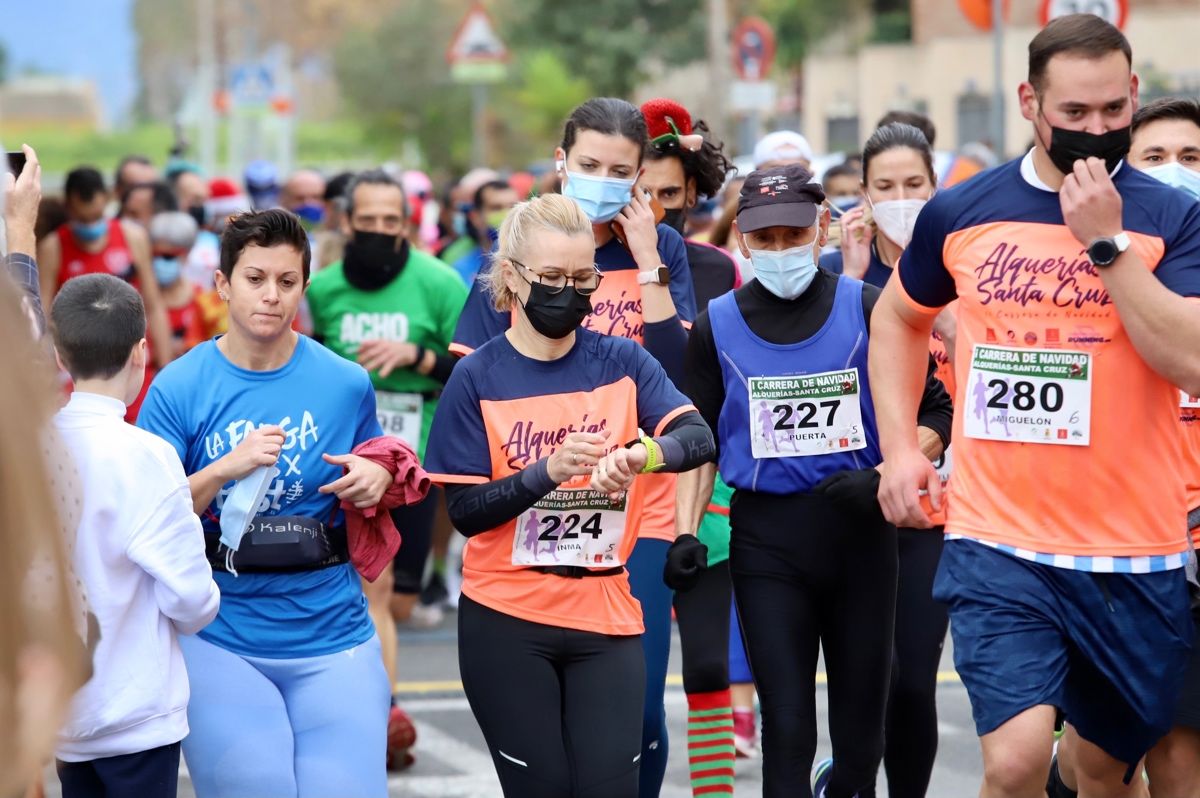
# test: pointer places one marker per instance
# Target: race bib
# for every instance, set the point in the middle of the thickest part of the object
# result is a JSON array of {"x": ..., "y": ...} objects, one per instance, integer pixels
[
  {"x": 1029, "y": 396},
  {"x": 400, "y": 415},
  {"x": 571, "y": 527},
  {"x": 806, "y": 415},
  {"x": 1186, "y": 402}
]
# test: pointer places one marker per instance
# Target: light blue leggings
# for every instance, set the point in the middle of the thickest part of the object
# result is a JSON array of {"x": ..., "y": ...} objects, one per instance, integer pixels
[{"x": 286, "y": 728}]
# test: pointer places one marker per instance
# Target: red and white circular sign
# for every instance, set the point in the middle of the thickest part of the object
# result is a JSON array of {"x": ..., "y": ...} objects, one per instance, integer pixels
[{"x": 1114, "y": 11}]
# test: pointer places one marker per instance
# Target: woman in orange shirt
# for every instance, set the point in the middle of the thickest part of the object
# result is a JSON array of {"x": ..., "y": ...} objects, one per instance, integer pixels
[{"x": 538, "y": 437}]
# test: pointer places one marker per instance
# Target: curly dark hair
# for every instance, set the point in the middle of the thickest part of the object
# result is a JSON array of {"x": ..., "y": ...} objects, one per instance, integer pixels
[{"x": 708, "y": 166}]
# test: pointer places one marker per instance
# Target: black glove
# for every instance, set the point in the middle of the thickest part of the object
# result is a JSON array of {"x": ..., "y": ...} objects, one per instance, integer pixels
[
  {"x": 853, "y": 491},
  {"x": 686, "y": 558}
]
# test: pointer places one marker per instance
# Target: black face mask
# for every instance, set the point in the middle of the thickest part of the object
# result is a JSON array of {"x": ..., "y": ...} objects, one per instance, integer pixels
[
  {"x": 371, "y": 260},
  {"x": 556, "y": 315},
  {"x": 676, "y": 218},
  {"x": 197, "y": 213},
  {"x": 1069, "y": 146}
]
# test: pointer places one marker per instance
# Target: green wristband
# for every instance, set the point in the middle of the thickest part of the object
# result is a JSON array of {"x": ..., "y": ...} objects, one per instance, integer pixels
[{"x": 652, "y": 463}]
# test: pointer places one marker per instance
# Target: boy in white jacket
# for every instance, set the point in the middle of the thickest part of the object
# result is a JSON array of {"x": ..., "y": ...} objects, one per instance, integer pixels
[{"x": 139, "y": 554}]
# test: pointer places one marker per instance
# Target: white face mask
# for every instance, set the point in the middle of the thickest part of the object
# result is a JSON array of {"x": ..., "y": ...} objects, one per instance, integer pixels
[
  {"x": 241, "y": 504},
  {"x": 785, "y": 273},
  {"x": 896, "y": 218},
  {"x": 1177, "y": 175}
]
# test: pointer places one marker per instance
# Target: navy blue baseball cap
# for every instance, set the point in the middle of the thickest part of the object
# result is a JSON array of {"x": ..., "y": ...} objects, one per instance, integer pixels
[{"x": 782, "y": 196}]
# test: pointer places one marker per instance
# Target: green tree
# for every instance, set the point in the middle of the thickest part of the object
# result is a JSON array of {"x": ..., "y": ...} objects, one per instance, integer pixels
[
  {"x": 3, "y": 63},
  {"x": 394, "y": 76},
  {"x": 533, "y": 107},
  {"x": 610, "y": 43},
  {"x": 799, "y": 24}
]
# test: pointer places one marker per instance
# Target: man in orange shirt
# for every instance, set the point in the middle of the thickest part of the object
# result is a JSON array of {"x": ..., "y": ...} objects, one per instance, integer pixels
[{"x": 1063, "y": 569}]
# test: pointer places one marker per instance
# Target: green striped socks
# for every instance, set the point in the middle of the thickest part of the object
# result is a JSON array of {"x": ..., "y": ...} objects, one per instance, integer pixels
[{"x": 710, "y": 742}]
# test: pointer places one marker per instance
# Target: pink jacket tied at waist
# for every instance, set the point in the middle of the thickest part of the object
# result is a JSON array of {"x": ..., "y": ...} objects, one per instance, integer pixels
[{"x": 372, "y": 537}]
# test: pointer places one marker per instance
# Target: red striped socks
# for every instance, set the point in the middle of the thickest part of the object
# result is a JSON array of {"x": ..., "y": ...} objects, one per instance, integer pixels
[{"x": 710, "y": 742}]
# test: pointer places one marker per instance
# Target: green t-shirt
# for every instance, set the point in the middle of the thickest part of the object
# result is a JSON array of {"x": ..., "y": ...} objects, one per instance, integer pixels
[
  {"x": 420, "y": 306},
  {"x": 458, "y": 249}
]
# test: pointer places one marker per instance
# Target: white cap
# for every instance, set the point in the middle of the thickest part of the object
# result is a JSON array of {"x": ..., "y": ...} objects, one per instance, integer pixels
[{"x": 782, "y": 145}]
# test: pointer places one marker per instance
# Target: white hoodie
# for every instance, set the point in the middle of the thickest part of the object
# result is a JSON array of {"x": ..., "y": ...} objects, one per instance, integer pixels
[{"x": 139, "y": 554}]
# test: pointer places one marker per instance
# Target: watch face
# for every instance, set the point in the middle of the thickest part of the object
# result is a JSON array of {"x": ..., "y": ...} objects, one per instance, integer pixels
[
  {"x": 664, "y": 275},
  {"x": 1102, "y": 252}
]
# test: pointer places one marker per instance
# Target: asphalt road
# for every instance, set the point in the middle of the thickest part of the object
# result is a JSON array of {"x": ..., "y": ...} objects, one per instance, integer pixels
[{"x": 452, "y": 761}]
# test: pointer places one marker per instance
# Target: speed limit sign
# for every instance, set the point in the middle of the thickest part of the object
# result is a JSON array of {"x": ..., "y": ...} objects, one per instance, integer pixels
[{"x": 1114, "y": 11}]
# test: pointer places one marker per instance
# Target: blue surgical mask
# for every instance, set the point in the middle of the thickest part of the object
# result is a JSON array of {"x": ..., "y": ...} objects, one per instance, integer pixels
[
  {"x": 785, "y": 273},
  {"x": 166, "y": 270},
  {"x": 86, "y": 232},
  {"x": 1177, "y": 175},
  {"x": 241, "y": 505},
  {"x": 310, "y": 213},
  {"x": 601, "y": 198}
]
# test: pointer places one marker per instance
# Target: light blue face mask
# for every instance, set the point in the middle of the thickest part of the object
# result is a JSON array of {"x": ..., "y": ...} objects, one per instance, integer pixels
[
  {"x": 85, "y": 233},
  {"x": 240, "y": 507},
  {"x": 601, "y": 198},
  {"x": 1177, "y": 175},
  {"x": 166, "y": 270},
  {"x": 785, "y": 273}
]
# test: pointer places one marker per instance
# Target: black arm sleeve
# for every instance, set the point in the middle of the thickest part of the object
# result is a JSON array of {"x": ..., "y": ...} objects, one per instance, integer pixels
[
  {"x": 666, "y": 341},
  {"x": 936, "y": 410},
  {"x": 442, "y": 366},
  {"x": 704, "y": 384},
  {"x": 686, "y": 443},
  {"x": 479, "y": 508}
]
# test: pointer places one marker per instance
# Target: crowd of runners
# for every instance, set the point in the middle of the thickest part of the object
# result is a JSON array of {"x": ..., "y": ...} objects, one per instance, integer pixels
[{"x": 821, "y": 408}]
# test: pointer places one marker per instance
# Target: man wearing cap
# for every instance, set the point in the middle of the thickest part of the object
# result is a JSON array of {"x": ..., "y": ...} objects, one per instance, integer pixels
[
  {"x": 779, "y": 369},
  {"x": 782, "y": 148}
]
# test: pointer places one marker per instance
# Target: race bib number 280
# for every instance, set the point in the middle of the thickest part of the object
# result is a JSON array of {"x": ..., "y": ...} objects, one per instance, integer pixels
[
  {"x": 1029, "y": 396},
  {"x": 806, "y": 415}
]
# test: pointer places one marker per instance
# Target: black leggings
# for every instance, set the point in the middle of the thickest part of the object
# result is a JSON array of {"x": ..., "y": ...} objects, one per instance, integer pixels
[
  {"x": 806, "y": 576},
  {"x": 911, "y": 734},
  {"x": 703, "y": 617},
  {"x": 561, "y": 709},
  {"x": 415, "y": 524}
]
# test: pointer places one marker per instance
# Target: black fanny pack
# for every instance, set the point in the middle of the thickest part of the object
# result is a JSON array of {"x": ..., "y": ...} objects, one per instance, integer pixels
[
  {"x": 280, "y": 544},
  {"x": 578, "y": 571}
]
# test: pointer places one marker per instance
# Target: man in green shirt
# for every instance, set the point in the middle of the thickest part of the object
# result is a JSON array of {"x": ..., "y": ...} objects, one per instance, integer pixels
[{"x": 393, "y": 309}]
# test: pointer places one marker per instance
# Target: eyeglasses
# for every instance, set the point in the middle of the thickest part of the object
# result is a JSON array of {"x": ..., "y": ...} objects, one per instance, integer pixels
[{"x": 555, "y": 282}]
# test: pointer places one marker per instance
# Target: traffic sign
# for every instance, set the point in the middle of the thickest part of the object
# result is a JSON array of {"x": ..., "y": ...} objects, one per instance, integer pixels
[
  {"x": 476, "y": 53},
  {"x": 979, "y": 12},
  {"x": 753, "y": 48},
  {"x": 1114, "y": 11}
]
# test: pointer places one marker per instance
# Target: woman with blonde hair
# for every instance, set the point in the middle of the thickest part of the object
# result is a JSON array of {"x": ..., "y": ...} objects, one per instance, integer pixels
[{"x": 538, "y": 441}]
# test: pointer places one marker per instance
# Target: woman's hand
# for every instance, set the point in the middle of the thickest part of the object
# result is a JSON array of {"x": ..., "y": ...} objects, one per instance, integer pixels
[
  {"x": 615, "y": 473},
  {"x": 260, "y": 448},
  {"x": 640, "y": 231},
  {"x": 856, "y": 243},
  {"x": 576, "y": 457},
  {"x": 363, "y": 484}
]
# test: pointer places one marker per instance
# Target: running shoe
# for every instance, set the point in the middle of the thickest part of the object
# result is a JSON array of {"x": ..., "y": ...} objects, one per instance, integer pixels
[
  {"x": 745, "y": 736},
  {"x": 401, "y": 737},
  {"x": 821, "y": 773},
  {"x": 424, "y": 617}
]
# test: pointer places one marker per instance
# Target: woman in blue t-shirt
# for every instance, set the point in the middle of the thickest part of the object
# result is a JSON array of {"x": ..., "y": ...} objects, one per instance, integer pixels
[{"x": 289, "y": 695}]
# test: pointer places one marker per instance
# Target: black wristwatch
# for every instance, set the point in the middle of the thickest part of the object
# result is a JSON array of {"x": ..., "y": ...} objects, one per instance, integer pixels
[{"x": 1104, "y": 251}]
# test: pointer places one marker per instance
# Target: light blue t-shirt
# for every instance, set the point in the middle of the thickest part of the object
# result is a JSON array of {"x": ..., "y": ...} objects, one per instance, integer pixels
[{"x": 204, "y": 405}]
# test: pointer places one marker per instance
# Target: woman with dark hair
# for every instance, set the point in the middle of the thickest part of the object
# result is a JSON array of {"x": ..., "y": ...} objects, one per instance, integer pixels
[
  {"x": 898, "y": 179},
  {"x": 683, "y": 166},
  {"x": 289, "y": 694},
  {"x": 647, "y": 296}
]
